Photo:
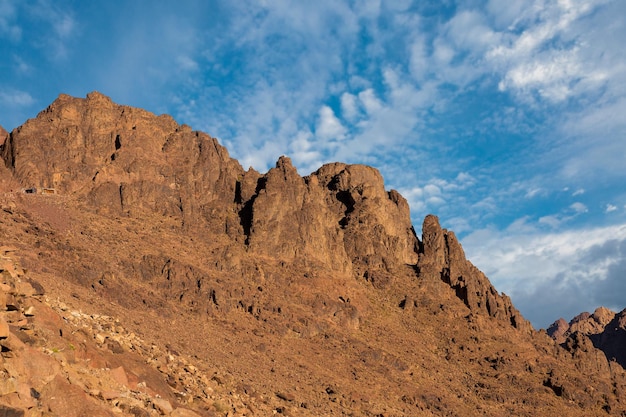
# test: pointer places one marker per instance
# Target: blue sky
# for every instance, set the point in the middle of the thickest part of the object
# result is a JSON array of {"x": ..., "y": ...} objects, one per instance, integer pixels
[{"x": 505, "y": 118}]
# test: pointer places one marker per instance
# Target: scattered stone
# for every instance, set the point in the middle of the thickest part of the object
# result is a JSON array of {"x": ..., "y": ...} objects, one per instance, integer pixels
[
  {"x": 183, "y": 412},
  {"x": 29, "y": 311},
  {"x": 119, "y": 375},
  {"x": 286, "y": 396},
  {"x": 110, "y": 395},
  {"x": 7, "y": 411},
  {"x": 11, "y": 303},
  {"x": 162, "y": 406},
  {"x": 4, "y": 329},
  {"x": 38, "y": 289},
  {"x": 24, "y": 289},
  {"x": 8, "y": 386},
  {"x": 3, "y": 299}
]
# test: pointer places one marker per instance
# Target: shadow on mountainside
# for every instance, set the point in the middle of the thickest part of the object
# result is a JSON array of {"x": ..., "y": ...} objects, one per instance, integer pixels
[{"x": 613, "y": 339}]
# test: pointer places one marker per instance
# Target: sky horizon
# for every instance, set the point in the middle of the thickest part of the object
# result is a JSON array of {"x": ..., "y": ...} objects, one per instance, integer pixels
[{"x": 505, "y": 119}]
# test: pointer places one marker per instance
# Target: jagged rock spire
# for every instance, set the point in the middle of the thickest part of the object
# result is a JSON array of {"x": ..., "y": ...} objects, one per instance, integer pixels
[{"x": 443, "y": 258}]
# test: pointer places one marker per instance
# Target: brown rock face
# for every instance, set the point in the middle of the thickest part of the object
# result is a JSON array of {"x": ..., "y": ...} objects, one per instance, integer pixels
[
  {"x": 4, "y": 174},
  {"x": 340, "y": 217},
  {"x": 4, "y": 135},
  {"x": 585, "y": 323},
  {"x": 591, "y": 323},
  {"x": 288, "y": 217},
  {"x": 603, "y": 329},
  {"x": 443, "y": 257},
  {"x": 613, "y": 339},
  {"x": 123, "y": 160},
  {"x": 558, "y": 329}
]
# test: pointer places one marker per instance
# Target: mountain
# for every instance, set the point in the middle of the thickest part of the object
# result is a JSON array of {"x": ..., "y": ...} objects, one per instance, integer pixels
[
  {"x": 604, "y": 328},
  {"x": 146, "y": 272}
]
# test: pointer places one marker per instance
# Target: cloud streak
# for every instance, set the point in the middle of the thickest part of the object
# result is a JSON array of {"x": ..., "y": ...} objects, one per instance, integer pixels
[{"x": 556, "y": 274}]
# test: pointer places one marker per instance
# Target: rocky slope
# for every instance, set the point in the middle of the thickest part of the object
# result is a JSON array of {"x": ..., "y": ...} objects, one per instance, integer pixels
[
  {"x": 604, "y": 328},
  {"x": 176, "y": 275}
]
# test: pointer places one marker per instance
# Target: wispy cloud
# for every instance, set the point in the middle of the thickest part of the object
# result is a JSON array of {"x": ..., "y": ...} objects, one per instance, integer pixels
[
  {"x": 579, "y": 207},
  {"x": 62, "y": 24},
  {"x": 15, "y": 98},
  {"x": 8, "y": 26}
]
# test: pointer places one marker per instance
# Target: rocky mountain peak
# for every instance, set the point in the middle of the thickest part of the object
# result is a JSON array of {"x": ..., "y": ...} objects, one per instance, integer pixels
[
  {"x": 442, "y": 257},
  {"x": 585, "y": 323},
  {"x": 604, "y": 329},
  {"x": 126, "y": 161}
]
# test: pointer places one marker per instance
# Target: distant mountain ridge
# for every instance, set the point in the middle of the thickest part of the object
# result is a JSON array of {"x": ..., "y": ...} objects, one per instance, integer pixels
[
  {"x": 605, "y": 328},
  {"x": 285, "y": 294}
]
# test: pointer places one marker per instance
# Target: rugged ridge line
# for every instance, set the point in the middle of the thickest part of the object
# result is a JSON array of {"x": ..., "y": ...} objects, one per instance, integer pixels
[
  {"x": 603, "y": 329},
  {"x": 124, "y": 160}
]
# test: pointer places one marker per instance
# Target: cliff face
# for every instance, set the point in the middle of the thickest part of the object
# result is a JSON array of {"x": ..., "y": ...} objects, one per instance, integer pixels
[
  {"x": 315, "y": 294},
  {"x": 124, "y": 161}
]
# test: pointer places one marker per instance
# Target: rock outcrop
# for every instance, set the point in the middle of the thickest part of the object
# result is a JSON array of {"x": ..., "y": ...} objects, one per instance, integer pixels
[
  {"x": 124, "y": 160},
  {"x": 613, "y": 339},
  {"x": 4, "y": 135},
  {"x": 604, "y": 329},
  {"x": 340, "y": 216},
  {"x": 585, "y": 323},
  {"x": 442, "y": 257}
]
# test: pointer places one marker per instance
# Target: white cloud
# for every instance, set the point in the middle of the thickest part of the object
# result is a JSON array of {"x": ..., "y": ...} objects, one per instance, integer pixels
[
  {"x": 419, "y": 66},
  {"x": 435, "y": 201},
  {"x": 328, "y": 125},
  {"x": 579, "y": 191},
  {"x": 21, "y": 66},
  {"x": 548, "y": 57},
  {"x": 579, "y": 207},
  {"x": 17, "y": 98},
  {"x": 443, "y": 52},
  {"x": 369, "y": 101},
  {"x": 552, "y": 221},
  {"x": 435, "y": 194},
  {"x": 349, "y": 109},
  {"x": 610, "y": 208},
  {"x": 432, "y": 190},
  {"x": 186, "y": 63},
  {"x": 8, "y": 27},
  {"x": 549, "y": 77},
  {"x": 468, "y": 30},
  {"x": 533, "y": 192},
  {"x": 506, "y": 14},
  {"x": 536, "y": 268},
  {"x": 62, "y": 28}
]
